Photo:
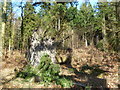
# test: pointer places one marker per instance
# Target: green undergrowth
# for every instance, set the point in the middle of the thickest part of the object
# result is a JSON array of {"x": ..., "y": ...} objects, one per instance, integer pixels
[{"x": 46, "y": 73}]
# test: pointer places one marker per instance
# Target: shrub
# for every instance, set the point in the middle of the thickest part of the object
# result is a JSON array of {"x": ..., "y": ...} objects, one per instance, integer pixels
[
  {"x": 64, "y": 82},
  {"x": 47, "y": 72},
  {"x": 26, "y": 73},
  {"x": 100, "y": 46}
]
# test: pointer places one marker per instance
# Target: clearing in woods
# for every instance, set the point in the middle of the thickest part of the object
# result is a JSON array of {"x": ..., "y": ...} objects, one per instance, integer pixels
[{"x": 89, "y": 66}]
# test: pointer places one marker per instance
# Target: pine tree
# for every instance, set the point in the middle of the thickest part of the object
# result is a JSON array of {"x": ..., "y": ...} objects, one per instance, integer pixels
[
  {"x": 86, "y": 22},
  {"x": 29, "y": 23},
  {"x": 9, "y": 32},
  {"x": 108, "y": 26}
]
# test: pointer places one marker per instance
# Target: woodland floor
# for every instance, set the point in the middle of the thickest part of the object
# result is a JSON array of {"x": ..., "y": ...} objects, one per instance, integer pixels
[{"x": 88, "y": 66}]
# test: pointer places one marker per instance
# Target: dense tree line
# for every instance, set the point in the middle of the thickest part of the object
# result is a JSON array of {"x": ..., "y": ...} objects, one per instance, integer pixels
[{"x": 98, "y": 26}]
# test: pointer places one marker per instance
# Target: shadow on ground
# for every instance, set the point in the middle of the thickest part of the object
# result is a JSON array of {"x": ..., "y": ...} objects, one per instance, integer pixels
[{"x": 88, "y": 76}]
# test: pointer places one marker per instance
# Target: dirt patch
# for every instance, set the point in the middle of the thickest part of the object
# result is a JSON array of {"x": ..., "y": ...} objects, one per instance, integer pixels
[
  {"x": 9, "y": 64},
  {"x": 97, "y": 65}
]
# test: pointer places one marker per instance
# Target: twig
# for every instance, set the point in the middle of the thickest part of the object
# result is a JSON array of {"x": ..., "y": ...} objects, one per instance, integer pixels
[{"x": 80, "y": 84}]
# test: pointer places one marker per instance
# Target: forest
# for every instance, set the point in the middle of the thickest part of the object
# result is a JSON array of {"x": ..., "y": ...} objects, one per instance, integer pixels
[{"x": 60, "y": 44}]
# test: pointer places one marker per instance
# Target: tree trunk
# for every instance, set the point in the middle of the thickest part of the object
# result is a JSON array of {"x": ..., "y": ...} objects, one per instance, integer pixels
[
  {"x": 13, "y": 35},
  {"x": 3, "y": 29},
  {"x": 104, "y": 33},
  {"x": 73, "y": 39},
  {"x": 0, "y": 33},
  {"x": 97, "y": 39},
  {"x": 63, "y": 39},
  {"x": 86, "y": 41},
  {"x": 58, "y": 23},
  {"x": 92, "y": 36},
  {"x": 11, "y": 29},
  {"x": 22, "y": 43},
  {"x": 9, "y": 46}
]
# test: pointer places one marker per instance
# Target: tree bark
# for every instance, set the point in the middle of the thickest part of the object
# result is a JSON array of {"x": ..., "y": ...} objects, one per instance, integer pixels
[
  {"x": 73, "y": 39},
  {"x": 22, "y": 12},
  {"x": 3, "y": 29},
  {"x": 11, "y": 29},
  {"x": 86, "y": 41},
  {"x": 9, "y": 46},
  {"x": 13, "y": 34},
  {"x": 92, "y": 35},
  {"x": 0, "y": 33},
  {"x": 58, "y": 23},
  {"x": 104, "y": 33}
]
